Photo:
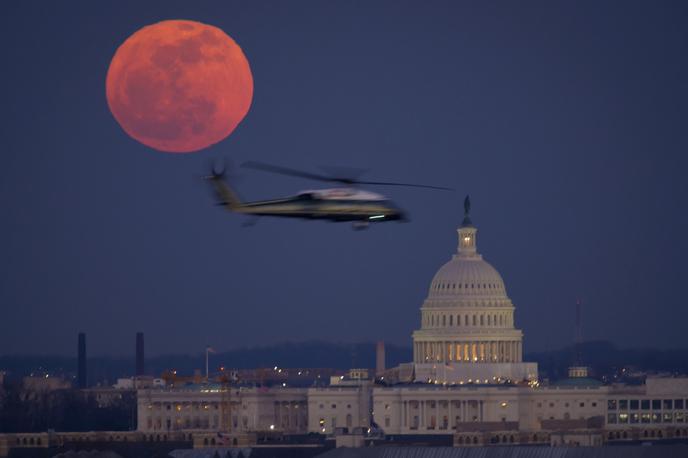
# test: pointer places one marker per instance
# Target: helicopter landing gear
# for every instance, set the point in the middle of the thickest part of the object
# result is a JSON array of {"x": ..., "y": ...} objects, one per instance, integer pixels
[{"x": 360, "y": 225}]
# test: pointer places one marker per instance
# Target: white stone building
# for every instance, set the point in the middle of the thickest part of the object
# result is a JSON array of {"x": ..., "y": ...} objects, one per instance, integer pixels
[{"x": 217, "y": 408}]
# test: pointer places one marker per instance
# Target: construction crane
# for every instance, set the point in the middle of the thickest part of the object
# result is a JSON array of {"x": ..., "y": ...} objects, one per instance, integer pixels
[{"x": 225, "y": 404}]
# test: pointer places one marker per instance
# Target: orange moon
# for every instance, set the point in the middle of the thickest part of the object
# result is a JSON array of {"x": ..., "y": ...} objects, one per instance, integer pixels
[{"x": 179, "y": 86}]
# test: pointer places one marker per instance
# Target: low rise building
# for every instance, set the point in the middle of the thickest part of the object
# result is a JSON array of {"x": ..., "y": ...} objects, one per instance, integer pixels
[{"x": 220, "y": 408}]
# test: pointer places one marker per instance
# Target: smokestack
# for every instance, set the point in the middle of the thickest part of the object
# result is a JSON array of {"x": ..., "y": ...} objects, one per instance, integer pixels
[
  {"x": 81, "y": 370},
  {"x": 579, "y": 334},
  {"x": 380, "y": 358},
  {"x": 140, "y": 367}
]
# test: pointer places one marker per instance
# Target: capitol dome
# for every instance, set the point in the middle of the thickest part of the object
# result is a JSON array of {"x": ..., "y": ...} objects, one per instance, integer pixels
[
  {"x": 467, "y": 316},
  {"x": 464, "y": 277}
]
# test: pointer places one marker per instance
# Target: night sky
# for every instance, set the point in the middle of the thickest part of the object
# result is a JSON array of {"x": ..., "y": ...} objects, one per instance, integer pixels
[{"x": 566, "y": 122}]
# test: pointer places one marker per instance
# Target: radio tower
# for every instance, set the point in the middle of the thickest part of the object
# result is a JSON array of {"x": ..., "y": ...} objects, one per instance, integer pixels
[{"x": 578, "y": 369}]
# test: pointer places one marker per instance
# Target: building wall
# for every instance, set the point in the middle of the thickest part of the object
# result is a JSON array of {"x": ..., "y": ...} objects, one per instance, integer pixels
[
  {"x": 564, "y": 403},
  {"x": 245, "y": 409},
  {"x": 659, "y": 405},
  {"x": 435, "y": 409},
  {"x": 656, "y": 410},
  {"x": 339, "y": 407}
]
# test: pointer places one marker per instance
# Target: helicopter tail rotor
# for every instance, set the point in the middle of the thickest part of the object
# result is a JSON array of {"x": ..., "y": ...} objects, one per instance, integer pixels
[{"x": 222, "y": 191}]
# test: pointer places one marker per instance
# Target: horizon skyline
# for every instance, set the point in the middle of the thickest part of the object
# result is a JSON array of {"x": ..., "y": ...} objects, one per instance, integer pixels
[{"x": 220, "y": 351}]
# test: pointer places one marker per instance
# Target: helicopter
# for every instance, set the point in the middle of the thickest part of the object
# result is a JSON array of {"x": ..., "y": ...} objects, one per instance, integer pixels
[{"x": 342, "y": 204}]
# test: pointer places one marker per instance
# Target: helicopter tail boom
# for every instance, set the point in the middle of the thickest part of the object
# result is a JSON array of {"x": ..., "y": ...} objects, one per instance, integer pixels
[{"x": 225, "y": 194}]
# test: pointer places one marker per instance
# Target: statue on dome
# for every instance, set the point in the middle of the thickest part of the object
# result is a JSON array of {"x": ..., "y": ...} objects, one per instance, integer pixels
[{"x": 467, "y": 211}]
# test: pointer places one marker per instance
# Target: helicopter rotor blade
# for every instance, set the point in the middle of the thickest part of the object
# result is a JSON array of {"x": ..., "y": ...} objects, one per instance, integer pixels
[
  {"x": 411, "y": 185},
  {"x": 286, "y": 171},
  {"x": 349, "y": 181}
]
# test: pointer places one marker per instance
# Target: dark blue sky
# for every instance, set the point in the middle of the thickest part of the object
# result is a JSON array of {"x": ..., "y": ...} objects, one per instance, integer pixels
[{"x": 565, "y": 121}]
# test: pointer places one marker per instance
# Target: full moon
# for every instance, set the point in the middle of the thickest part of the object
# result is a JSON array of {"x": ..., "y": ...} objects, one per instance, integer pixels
[{"x": 179, "y": 86}]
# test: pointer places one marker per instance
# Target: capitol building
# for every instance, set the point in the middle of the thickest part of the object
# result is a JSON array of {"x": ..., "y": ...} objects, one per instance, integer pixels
[
  {"x": 467, "y": 322},
  {"x": 467, "y": 382}
]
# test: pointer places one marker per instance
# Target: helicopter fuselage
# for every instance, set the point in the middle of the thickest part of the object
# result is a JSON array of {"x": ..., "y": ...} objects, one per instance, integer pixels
[
  {"x": 336, "y": 204},
  {"x": 327, "y": 204},
  {"x": 327, "y": 209}
]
